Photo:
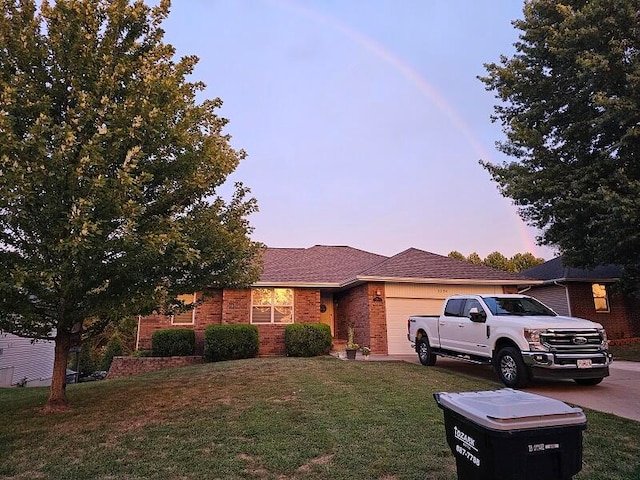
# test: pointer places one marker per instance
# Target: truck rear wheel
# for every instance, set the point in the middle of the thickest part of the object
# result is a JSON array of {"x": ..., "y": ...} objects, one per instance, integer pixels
[
  {"x": 425, "y": 352},
  {"x": 511, "y": 369}
]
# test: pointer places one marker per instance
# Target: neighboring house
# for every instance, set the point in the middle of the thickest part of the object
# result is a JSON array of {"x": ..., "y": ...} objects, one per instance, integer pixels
[
  {"x": 25, "y": 362},
  {"x": 587, "y": 294},
  {"x": 339, "y": 286}
]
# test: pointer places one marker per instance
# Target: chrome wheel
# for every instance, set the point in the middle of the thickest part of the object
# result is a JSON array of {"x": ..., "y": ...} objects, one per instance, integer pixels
[{"x": 508, "y": 368}]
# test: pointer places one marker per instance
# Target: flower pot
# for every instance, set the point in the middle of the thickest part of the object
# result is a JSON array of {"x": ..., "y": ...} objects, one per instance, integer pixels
[{"x": 351, "y": 354}]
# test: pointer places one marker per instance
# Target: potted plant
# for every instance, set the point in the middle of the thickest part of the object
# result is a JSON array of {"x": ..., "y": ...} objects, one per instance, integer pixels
[
  {"x": 366, "y": 351},
  {"x": 352, "y": 346}
]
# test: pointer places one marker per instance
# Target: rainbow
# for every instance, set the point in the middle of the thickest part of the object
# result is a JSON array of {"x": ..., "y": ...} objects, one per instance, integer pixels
[{"x": 420, "y": 82}]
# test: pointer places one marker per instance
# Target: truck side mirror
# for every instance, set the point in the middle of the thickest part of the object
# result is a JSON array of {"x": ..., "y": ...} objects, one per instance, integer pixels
[{"x": 477, "y": 316}]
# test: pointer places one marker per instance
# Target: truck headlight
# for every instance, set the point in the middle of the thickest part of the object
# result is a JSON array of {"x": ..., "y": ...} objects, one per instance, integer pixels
[
  {"x": 605, "y": 340},
  {"x": 532, "y": 335}
]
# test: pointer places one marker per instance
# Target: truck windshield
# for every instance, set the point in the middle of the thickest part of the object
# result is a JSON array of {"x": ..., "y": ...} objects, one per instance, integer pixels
[{"x": 517, "y": 306}]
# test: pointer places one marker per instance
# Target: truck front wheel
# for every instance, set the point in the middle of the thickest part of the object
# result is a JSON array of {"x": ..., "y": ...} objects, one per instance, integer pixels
[
  {"x": 425, "y": 352},
  {"x": 511, "y": 369}
]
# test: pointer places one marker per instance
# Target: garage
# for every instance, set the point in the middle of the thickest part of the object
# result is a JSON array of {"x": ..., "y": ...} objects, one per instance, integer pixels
[{"x": 405, "y": 299}]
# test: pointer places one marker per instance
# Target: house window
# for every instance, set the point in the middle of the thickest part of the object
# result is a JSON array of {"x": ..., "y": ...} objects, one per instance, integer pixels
[
  {"x": 600, "y": 298},
  {"x": 271, "y": 305},
  {"x": 187, "y": 317}
]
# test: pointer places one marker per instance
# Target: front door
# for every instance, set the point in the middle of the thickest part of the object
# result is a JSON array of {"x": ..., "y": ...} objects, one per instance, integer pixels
[{"x": 326, "y": 311}]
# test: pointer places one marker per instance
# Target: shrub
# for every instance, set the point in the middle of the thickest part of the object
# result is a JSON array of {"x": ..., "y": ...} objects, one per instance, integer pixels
[
  {"x": 173, "y": 342},
  {"x": 230, "y": 342},
  {"x": 114, "y": 349},
  {"x": 307, "y": 339},
  {"x": 142, "y": 353}
]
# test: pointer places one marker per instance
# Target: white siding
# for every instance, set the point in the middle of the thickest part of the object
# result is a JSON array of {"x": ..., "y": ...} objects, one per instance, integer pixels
[
  {"x": 19, "y": 359},
  {"x": 554, "y": 296},
  {"x": 406, "y": 299}
]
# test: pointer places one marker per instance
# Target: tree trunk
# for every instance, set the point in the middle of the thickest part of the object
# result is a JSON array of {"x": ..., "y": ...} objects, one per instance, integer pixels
[{"x": 57, "y": 396}]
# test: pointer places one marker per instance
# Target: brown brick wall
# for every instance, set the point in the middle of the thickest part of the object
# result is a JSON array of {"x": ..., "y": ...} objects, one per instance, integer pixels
[
  {"x": 377, "y": 319},
  {"x": 209, "y": 312},
  {"x": 356, "y": 307},
  {"x": 234, "y": 307},
  {"x": 307, "y": 305},
  {"x": 127, "y": 366},
  {"x": 623, "y": 319}
]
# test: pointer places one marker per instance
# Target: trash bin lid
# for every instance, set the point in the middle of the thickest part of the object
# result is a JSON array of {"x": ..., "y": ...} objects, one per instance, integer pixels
[{"x": 508, "y": 409}]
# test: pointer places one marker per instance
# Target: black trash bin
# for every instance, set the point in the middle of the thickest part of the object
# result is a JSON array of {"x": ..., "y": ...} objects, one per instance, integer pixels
[{"x": 512, "y": 435}]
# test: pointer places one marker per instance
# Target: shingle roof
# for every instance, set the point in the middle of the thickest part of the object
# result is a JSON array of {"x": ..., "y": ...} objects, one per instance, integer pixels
[
  {"x": 339, "y": 265},
  {"x": 555, "y": 269},
  {"x": 414, "y": 263},
  {"x": 318, "y": 264}
]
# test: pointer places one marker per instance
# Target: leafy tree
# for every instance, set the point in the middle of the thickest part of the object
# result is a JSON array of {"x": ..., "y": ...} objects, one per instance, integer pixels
[
  {"x": 497, "y": 260},
  {"x": 515, "y": 264},
  {"x": 523, "y": 261},
  {"x": 474, "y": 258},
  {"x": 570, "y": 109},
  {"x": 457, "y": 255},
  {"x": 108, "y": 173}
]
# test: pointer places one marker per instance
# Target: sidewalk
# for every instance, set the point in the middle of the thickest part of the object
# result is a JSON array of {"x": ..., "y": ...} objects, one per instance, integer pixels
[{"x": 618, "y": 394}]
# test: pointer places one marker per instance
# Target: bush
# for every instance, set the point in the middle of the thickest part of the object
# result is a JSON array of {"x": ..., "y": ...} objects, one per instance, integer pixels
[
  {"x": 114, "y": 349},
  {"x": 142, "y": 353},
  {"x": 173, "y": 342},
  {"x": 230, "y": 342},
  {"x": 307, "y": 339}
]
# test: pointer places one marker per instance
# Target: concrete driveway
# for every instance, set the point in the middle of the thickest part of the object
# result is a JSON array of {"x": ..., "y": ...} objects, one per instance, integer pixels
[{"x": 618, "y": 394}]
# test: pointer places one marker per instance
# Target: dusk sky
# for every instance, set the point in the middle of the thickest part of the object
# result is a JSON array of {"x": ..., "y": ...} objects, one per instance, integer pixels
[{"x": 363, "y": 120}]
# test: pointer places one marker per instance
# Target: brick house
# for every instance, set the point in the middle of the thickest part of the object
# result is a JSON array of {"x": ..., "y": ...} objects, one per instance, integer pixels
[
  {"x": 589, "y": 294},
  {"x": 339, "y": 286}
]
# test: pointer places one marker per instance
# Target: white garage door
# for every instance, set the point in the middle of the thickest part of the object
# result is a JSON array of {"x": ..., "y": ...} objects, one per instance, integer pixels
[
  {"x": 404, "y": 300},
  {"x": 398, "y": 311}
]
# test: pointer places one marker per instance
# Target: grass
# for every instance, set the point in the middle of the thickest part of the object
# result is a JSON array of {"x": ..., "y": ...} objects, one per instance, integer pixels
[
  {"x": 630, "y": 352},
  {"x": 267, "y": 418}
]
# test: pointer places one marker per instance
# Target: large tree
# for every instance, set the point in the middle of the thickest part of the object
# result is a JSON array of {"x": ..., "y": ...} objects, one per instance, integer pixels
[
  {"x": 518, "y": 263},
  {"x": 108, "y": 173},
  {"x": 570, "y": 109}
]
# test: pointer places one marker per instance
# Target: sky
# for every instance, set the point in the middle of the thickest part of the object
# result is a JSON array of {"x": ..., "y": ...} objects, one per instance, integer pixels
[{"x": 363, "y": 120}]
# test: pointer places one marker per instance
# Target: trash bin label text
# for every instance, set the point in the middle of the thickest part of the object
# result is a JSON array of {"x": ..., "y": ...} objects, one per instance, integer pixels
[
  {"x": 468, "y": 441},
  {"x": 468, "y": 444},
  {"x": 541, "y": 447}
]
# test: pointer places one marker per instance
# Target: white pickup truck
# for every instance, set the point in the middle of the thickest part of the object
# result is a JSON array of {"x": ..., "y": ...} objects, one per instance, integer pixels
[{"x": 516, "y": 334}]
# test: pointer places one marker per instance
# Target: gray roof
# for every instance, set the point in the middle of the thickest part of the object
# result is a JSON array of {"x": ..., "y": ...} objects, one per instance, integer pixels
[
  {"x": 556, "y": 270},
  {"x": 342, "y": 265},
  {"x": 318, "y": 264},
  {"x": 415, "y": 263}
]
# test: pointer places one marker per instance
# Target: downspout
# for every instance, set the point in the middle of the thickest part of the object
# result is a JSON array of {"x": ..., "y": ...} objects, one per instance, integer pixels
[{"x": 138, "y": 333}]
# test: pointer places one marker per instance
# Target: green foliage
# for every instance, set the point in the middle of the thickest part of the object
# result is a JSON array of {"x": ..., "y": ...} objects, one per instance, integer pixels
[
  {"x": 230, "y": 342},
  {"x": 114, "y": 349},
  {"x": 108, "y": 171},
  {"x": 88, "y": 361},
  {"x": 142, "y": 353},
  {"x": 173, "y": 342},
  {"x": 307, "y": 339},
  {"x": 268, "y": 418},
  {"x": 570, "y": 109},
  {"x": 515, "y": 264},
  {"x": 351, "y": 343}
]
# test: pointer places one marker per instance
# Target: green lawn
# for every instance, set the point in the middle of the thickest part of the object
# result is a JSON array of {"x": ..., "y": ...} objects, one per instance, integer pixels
[
  {"x": 629, "y": 352},
  {"x": 267, "y": 418}
]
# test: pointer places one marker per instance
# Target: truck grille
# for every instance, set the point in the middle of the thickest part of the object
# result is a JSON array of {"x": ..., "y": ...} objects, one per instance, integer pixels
[{"x": 572, "y": 341}]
